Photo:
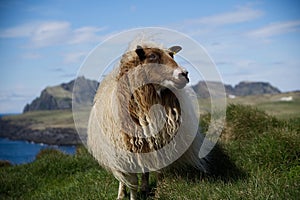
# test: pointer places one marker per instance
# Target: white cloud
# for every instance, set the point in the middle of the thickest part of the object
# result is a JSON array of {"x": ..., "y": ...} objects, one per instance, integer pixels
[
  {"x": 242, "y": 14},
  {"x": 234, "y": 41},
  {"x": 86, "y": 34},
  {"x": 24, "y": 30},
  {"x": 48, "y": 33},
  {"x": 275, "y": 29}
]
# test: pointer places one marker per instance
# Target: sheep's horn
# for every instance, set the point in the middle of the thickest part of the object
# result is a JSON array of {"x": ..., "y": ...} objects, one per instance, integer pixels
[{"x": 175, "y": 49}]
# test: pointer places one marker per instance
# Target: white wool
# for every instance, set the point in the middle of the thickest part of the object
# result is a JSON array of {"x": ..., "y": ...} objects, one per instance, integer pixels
[
  {"x": 177, "y": 72},
  {"x": 105, "y": 125},
  {"x": 144, "y": 40},
  {"x": 103, "y": 122}
]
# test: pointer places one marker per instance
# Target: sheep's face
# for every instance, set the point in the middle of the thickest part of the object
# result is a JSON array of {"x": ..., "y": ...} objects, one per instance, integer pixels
[{"x": 161, "y": 68}]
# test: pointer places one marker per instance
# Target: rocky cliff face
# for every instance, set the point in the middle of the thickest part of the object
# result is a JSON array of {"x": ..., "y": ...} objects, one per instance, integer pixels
[
  {"x": 49, "y": 101},
  {"x": 241, "y": 89},
  {"x": 60, "y": 97},
  {"x": 254, "y": 88}
]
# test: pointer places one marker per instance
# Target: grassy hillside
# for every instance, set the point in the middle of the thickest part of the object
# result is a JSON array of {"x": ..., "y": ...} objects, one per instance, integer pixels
[
  {"x": 59, "y": 92},
  {"x": 272, "y": 104},
  {"x": 259, "y": 160},
  {"x": 43, "y": 119}
]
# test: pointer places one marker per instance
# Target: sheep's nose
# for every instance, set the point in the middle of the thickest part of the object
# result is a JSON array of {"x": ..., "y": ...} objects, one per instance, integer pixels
[{"x": 185, "y": 75}]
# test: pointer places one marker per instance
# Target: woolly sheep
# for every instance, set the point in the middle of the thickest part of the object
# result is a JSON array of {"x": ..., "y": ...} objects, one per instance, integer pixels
[{"x": 139, "y": 109}]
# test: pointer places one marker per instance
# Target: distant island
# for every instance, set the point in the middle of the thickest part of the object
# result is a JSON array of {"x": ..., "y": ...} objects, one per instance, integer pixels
[{"x": 48, "y": 118}]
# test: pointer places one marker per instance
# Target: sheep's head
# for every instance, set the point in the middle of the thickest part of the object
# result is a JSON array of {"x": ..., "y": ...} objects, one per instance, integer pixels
[
  {"x": 159, "y": 66},
  {"x": 162, "y": 66}
]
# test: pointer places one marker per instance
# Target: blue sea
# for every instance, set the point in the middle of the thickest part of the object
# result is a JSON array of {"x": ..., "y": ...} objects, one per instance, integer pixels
[{"x": 21, "y": 152}]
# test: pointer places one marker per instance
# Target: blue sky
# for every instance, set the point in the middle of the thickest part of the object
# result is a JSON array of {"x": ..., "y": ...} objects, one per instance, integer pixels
[{"x": 43, "y": 43}]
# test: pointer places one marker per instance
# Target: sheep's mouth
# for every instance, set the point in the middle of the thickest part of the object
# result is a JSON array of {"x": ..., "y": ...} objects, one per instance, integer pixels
[
  {"x": 176, "y": 83},
  {"x": 173, "y": 84},
  {"x": 180, "y": 85},
  {"x": 181, "y": 82}
]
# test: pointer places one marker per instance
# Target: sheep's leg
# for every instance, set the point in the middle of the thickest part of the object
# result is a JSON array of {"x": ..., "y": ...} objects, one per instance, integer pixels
[
  {"x": 133, "y": 194},
  {"x": 145, "y": 183},
  {"x": 122, "y": 191},
  {"x": 133, "y": 180},
  {"x": 159, "y": 176}
]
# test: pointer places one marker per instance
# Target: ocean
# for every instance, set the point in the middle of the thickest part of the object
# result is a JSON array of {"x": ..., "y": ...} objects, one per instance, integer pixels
[{"x": 21, "y": 152}]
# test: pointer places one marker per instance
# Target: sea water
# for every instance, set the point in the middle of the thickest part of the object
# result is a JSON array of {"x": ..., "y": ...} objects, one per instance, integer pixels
[{"x": 21, "y": 152}]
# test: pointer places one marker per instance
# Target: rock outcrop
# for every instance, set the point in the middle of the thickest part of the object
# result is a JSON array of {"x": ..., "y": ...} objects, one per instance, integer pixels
[
  {"x": 49, "y": 135},
  {"x": 60, "y": 97},
  {"x": 254, "y": 88},
  {"x": 241, "y": 89}
]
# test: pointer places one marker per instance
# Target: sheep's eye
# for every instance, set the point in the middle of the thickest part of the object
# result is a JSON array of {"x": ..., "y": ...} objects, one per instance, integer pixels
[{"x": 153, "y": 56}]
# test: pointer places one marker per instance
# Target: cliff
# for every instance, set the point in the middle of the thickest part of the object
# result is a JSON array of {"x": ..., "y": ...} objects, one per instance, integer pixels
[
  {"x": 254, "y": 88},
  {"x": 242, "y": 89},
  {"x": 60, "y": 97}
]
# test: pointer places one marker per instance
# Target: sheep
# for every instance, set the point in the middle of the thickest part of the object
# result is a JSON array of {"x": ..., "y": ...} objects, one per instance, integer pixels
[{"x": 142, "y": 119}]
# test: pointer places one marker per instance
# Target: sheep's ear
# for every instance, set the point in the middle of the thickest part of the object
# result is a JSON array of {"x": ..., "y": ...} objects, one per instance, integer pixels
[
  {"x": 140, "y": 52},
  {"x": 175, "y": 49}
]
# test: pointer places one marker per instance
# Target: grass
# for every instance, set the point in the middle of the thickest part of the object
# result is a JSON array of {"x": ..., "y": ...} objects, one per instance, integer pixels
[
  {"x": 49, "y": 118},
  {"x": 55, "y": 175},
  {"x": 282, "y": 109},
  {"x": 44, "y": 119},
  {"x": 59, "y": 92},
  {"x": 272, "y": 105},
  {"x": 264, "y": 148},
  {"x": 257, "y": 158}
]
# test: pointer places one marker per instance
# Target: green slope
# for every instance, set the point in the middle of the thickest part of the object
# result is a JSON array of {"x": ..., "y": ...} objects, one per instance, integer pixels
[{"x": 259, "y": 160}]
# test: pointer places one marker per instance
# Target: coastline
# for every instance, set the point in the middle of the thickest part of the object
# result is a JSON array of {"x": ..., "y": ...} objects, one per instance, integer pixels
[{"x": 47, "y": 135}]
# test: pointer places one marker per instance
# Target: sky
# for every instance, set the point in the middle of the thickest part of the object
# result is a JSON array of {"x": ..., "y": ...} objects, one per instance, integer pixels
[{"x": 43, "y": 43}]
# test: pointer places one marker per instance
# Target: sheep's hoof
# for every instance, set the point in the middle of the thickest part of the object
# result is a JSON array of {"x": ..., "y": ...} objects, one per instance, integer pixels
[{"x": 145, "y": 193}]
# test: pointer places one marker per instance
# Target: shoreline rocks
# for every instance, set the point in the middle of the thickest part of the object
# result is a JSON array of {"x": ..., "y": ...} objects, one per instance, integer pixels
[{"x": 53, "y": 136}]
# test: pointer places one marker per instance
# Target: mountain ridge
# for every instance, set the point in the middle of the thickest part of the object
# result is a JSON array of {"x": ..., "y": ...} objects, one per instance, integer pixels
[
  {"x": 243, "y": 88},
  {"x": 59, "y": 97}
]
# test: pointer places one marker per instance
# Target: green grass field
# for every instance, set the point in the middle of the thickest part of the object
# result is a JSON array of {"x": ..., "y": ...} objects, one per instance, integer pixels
[
  {"x": 257, "y": 158},
  {"x": 271, "y": 104}
]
